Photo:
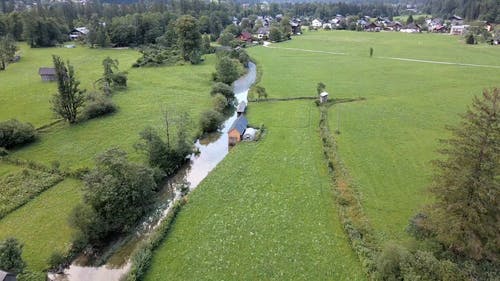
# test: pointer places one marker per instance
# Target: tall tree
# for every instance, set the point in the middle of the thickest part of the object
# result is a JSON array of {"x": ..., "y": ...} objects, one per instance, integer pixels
[
  {"x": 8, "y": 49},
  {"x": 188, "y": 38},
  {"x": 10, "y": 256},
  {"x": 465, "y": 215},
  {"x": 67, "y": 102}
]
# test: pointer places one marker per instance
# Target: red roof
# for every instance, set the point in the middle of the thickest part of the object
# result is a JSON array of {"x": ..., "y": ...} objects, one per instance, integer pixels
[{"x": 245, "y": 36}]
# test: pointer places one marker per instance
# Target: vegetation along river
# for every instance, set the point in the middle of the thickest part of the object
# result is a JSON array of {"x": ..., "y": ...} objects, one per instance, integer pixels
[{"x": 212, "y": 150}]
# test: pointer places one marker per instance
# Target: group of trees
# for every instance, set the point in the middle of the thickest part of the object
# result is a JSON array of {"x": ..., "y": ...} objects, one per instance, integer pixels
[
  {"x": 8, "y": 50},
  {"x": 458, "y": 233},
  {"x": 488, "y": 10}
]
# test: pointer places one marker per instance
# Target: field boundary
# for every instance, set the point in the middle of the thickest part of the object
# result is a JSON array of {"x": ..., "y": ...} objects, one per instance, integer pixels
[{"x": 354, "y": 220}]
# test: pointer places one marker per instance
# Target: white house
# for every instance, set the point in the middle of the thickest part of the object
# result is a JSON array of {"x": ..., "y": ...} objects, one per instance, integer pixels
[
  {"x": 327, "y": 25},
  {"x": 316, "y": 23},
  {"x": 458, "y": 29}
]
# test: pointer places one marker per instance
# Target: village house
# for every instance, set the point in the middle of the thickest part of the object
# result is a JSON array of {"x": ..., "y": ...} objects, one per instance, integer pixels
[
  {"x": 47, "y": 73},
  {"x": 393, "y": 26},
  {"x": 458, "y": 29},
  {"x": 237, "y": 130},
  {"x": 316, "y": 23},
  {"x": 263, "y": 32},
  {"x": 411, "y": 28},
  {"x": 78, "y": 33},
  {"x": 372, "y": 27},
  {"x": 456, "y": 20},
  {"x": 245, "y": 36}
]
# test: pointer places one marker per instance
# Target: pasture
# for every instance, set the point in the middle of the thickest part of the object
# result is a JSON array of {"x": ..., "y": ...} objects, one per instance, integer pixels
[
  {"x": 388, "y": 140},
  {"x": 42, "y": 224},
  {"x": 266, "y": 212}
]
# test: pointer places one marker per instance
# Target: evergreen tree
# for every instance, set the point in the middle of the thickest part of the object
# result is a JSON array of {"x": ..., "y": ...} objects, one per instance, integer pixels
[
  {"x": 465, "y": 215},
  {"x": 67, "y": 102}
]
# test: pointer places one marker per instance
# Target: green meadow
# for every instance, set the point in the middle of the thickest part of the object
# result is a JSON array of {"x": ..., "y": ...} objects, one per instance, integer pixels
[
  {"x": 42, "y": 224},
  {"x": 266, "y": 212},
  {"x": 388, "y": 140}
]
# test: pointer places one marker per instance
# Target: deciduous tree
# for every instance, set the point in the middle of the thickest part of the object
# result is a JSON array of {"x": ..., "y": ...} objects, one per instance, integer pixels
[
  {"x": 189, "y": 38},
  {"x": 68, "y": 100}
]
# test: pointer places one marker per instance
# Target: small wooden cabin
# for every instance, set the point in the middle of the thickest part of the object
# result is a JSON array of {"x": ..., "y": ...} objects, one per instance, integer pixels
[
  {"x": 47, "y": 73},
  {"x": 237, "y": 130},
  {"x": 241, "y": 108}
]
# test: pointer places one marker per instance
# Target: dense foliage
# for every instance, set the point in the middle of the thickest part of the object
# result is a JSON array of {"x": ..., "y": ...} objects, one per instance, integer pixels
[
  {"x": 98, "y": 105},
  {"x": 470, "y": 9},
  {"x": 8, "y": 49},
  {"x": 211, "y": 120},
  {"x": 117, "y": 194},
  {"x": 10, "y": 256},
  {"x": 14, "y": 133}
]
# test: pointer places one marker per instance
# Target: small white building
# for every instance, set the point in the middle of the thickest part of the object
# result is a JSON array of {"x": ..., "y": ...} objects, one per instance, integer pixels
[
  {"x": 323, "y": 97},
  {"x": 249, "y": 134}
]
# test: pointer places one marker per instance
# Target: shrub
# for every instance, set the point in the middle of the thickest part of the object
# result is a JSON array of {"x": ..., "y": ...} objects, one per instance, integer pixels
[
  {"x": 220, "y": 102},
  {"x": 14, "y": 133},
  {"x": 56, "y": 259},
  {"x": 389, "y": 262},
  {"x": 98, "y": 105},
  {"x": 224, "y": 89},
  {"x": 10, "y": 256},
  {"x": 470, "y": 39},
  {"x": 210, "y": 121}
]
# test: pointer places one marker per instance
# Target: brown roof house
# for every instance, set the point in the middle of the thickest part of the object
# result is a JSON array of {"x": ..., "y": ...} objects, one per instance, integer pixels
[{"x": 47, "y": 73}]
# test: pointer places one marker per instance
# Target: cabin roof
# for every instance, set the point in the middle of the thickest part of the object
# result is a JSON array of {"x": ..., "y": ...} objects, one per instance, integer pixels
[
  {"x": 240, "y": 124},
  {"x": 323, "y": 94},
  {"x": 46, "y": 71},
  {"x": 241, "y": 107}
]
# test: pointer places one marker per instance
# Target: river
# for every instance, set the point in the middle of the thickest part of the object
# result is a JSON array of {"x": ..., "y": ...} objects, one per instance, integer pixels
[{"x": 212, "y": 150}]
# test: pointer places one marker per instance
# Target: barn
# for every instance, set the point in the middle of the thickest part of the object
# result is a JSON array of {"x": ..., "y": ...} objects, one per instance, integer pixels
[
  {"x": 241, "y": 108},
  {"x": 47, "y": 73},
  {"x": 237, "y": 130}
]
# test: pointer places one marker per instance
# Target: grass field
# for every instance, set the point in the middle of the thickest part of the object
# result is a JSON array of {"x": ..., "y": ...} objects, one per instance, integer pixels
[
  {"x": 388, "y": 140},
  {"x": 150, "y": 90},
  {"x": 25, "y": 96},
  {"x": 267, "y": 211},
  {"x": 42, "y": 224}
]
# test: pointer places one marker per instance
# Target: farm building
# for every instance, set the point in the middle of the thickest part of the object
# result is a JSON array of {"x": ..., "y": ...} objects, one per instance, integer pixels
[
  {"x": 323, "y": 97},
  {"x": 47, "y": 73},
  {"x": 6, "y": 276},
  {"x": 237, "y": 130},
  {"x": 249, "y": 134},
  {"x": 241, "y": 108},
  {"x": 458, "y": 29}
]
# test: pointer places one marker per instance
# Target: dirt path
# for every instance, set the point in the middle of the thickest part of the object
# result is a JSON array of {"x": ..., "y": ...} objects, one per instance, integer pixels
[{"x": 268, "y": 45}]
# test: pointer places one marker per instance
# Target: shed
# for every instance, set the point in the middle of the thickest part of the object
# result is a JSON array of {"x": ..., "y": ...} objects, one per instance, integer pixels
[
  {"x": 323, "y": 97},
  {"x": 47, "y": 73},
  {"x": 6, "y": 276},
  {"x": 249, "y": 134},
  {"x": 237, "y": 130},
  {"x": 241, "y": 108}
]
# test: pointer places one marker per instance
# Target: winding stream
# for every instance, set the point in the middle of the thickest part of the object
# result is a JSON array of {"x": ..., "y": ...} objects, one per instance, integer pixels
[{"x": 212, "y": 150}]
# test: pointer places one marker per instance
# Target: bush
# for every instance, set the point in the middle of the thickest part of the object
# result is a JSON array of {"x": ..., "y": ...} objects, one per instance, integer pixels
[
  {"x": 3, "y": 152},
  {"x": 14, "y": 133},
  {"x": 56, "y": 259},
  {"x": 470, "y": 39},
  {"x": 210, "y": 121},
  {"x": 220, "y": 102},
  {"x": 224, "y": 89},
  {"x": 98, "y": 105},
  {"x": 389, "y": 262},
  {"x": 10, "y": 256},
  {"x": 227, "y": 69}
]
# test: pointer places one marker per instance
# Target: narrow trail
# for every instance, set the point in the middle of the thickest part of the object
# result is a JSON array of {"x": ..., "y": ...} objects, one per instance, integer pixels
[{"x": 268, "y": 45}]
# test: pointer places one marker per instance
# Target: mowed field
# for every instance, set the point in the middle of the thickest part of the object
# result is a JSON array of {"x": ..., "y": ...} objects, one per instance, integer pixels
[
  {"x": 388, "y": 140},
  {"x": 267, "y": 212},
  {"x": 42, "y": 224}
]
